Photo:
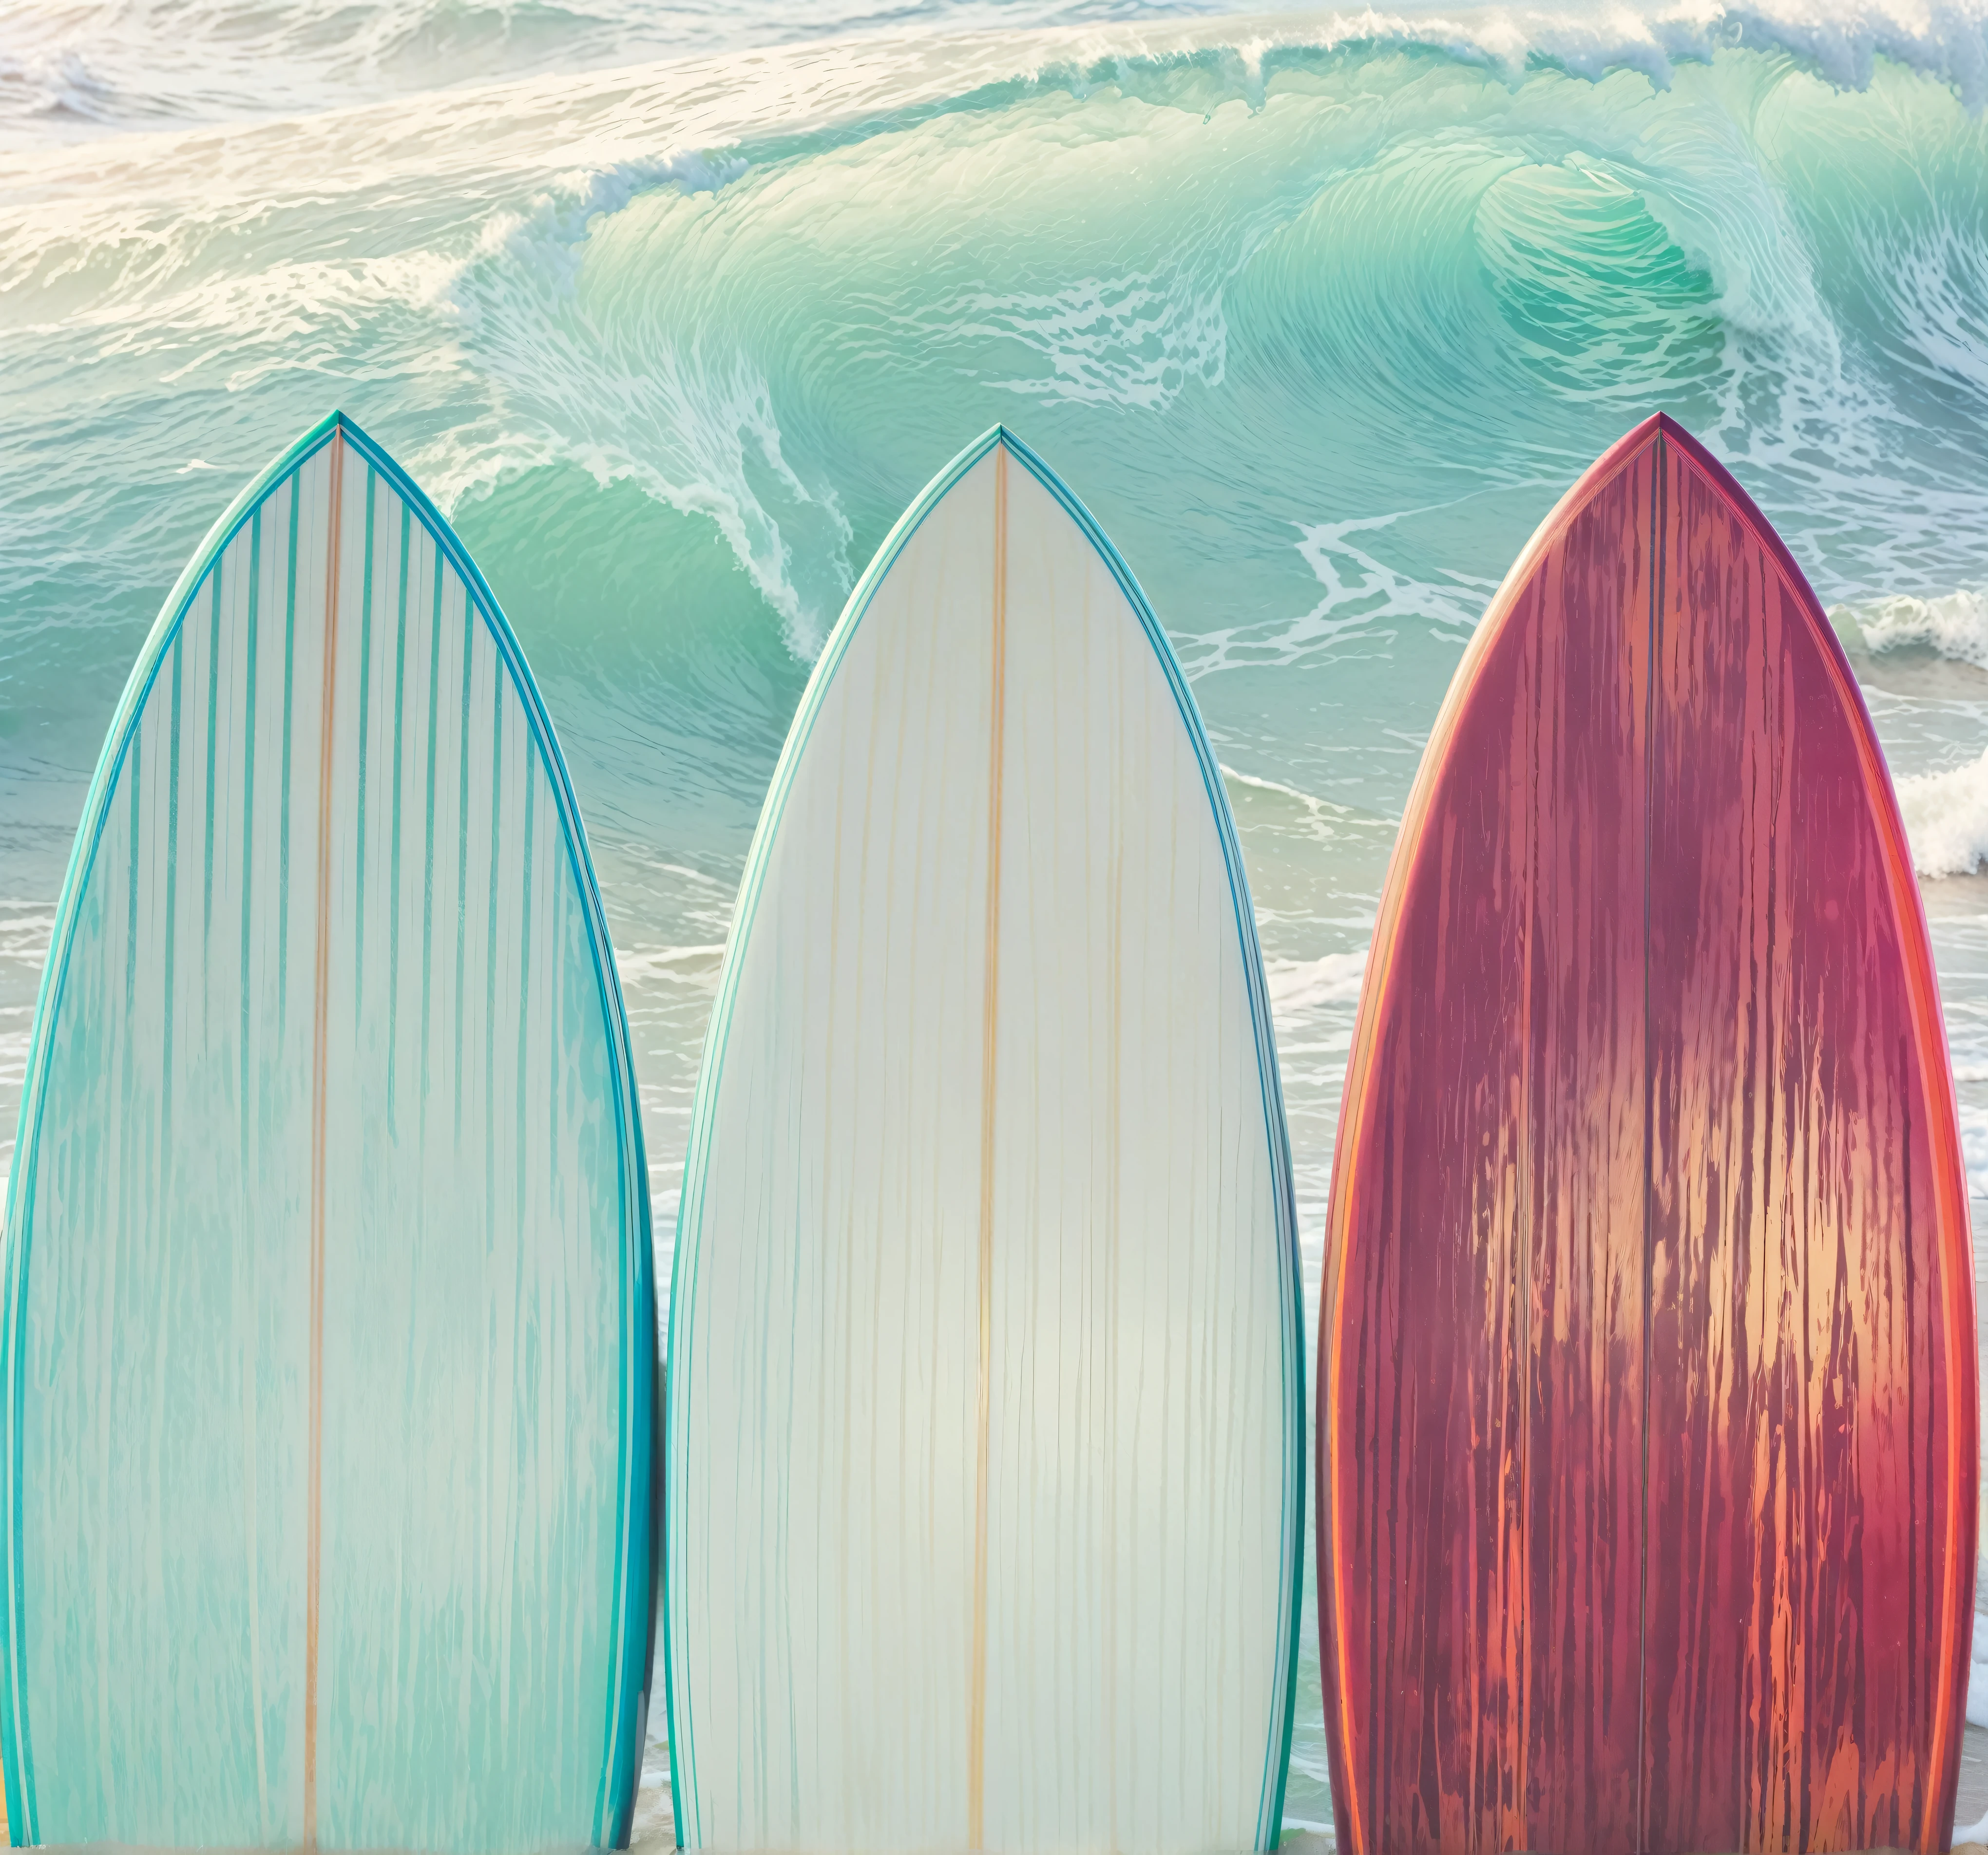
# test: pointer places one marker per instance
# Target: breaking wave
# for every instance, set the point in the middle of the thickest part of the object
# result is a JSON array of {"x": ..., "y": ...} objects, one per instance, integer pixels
[
  {"x": 1946, "y": 818},
  {"x": 1953, "y": 625}
]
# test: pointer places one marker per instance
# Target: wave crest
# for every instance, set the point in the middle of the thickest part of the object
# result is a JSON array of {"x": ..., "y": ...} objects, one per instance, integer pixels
[
  {"x": 1946, "y": 818},
  {"x": 1954, "y": 625}
]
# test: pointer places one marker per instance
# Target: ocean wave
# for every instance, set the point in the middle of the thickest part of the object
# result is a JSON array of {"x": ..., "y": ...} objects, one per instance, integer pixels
[
  {"x": 1298, "y": 986},
  {"x": 92, "y": 66},
  {"x": 1365, "y": 599},
  {"x": 1953, "y": 625},
  {"x": 1935, "y": 276},
  {"x": 581, "y": 373},
  {"x": 1946, "y": 818},
  {"x": 1136, "y": 338},
  {"x": 1974, "y": 1159},
  {"x": 1320, "y": 314},
  {"x": 52, "y": 84},
  {"x": 25, "y": 930},
  {"x": 696, "y": 966}
]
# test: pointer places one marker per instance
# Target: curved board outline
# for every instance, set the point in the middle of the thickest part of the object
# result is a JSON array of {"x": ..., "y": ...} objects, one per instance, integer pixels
[
  {"x": 1930, "y": 1034},
  {"x": 711, "y": 1068},
  {"x": 637, "y": 1535}
]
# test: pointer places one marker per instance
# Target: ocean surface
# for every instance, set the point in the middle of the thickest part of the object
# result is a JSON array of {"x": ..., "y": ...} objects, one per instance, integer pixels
[{"x": 672, "y": 308}]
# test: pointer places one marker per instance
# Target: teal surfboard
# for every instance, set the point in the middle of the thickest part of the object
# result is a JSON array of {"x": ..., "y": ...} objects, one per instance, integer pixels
[{"x": 327, "y": 1348}]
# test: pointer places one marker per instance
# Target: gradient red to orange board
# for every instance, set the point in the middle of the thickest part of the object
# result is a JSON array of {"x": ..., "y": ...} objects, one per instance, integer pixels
[{"x": 1647, "y": 1429}]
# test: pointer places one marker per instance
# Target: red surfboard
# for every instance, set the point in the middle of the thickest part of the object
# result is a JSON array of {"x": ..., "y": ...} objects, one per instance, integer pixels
[{"x": 1647, "y": 1420}]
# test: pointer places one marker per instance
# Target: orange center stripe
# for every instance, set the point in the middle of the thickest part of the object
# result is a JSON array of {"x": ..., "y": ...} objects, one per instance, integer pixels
[
  {"x": 318, "y": 1029},
  {"x": 976, "y": 1751}
]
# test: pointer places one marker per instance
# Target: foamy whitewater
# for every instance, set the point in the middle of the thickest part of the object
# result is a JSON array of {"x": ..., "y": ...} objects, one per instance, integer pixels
[{"x": 673, "y": 308}]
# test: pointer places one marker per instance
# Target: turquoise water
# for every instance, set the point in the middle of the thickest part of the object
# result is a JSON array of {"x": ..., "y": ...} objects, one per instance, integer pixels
[{"x": 673, "y": 309}]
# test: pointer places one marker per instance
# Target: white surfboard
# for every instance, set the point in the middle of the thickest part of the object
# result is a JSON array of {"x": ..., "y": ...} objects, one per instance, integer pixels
[
  {"x": 328, "y": 1358},
  {"x": 985, "y": 1494}
]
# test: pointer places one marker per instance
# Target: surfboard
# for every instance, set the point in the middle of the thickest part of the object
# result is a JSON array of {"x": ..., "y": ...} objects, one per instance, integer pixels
[
  {"x": 985, "y": 1496},
  {"x": 1647, "y": 1415},
  {"x": 327, "y": 1346}
]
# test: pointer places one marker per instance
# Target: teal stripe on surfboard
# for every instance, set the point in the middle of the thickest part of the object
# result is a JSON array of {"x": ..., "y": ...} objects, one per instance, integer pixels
[
  {"x": 477, "y": 1516},
  {"x": 752, "y": 1761}
]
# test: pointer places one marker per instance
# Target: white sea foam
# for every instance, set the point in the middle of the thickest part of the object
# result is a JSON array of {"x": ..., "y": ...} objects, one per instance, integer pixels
[
  {"x": 1299, "y": 985},
  {"x": 1359, "y": 586},
  {"x": 629, "y": 395},
  {"x": 1133, "y": 339},
  {"x": 696, "y": 966},
  {"x": 653, "y": 1830},
  {"x": 96, "y": 67},
  {"x": 1840, "y": 41},
  {"x": 1977, "y": 1716},
  {"x": 1935, "y": 278},
  {"x": 694, "y": 429},
  {"x": 1323, "y": 821},
  {"x": 1364, "y": 597},
  {"x": 1946, "y": 818},
  {"x": 25, "y": 932},
  {"x": 1953, "y": 625},
  {"x": 1973, "y": 1121}
]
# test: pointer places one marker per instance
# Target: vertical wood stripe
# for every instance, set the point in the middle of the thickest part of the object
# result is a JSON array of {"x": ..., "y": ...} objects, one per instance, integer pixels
[
  {"x": 254, "y": 1214},
  {"x": 990, "y": 1017},
  {"x": 1653, "y": 625},
  {"x": 314, "y": 1525}
]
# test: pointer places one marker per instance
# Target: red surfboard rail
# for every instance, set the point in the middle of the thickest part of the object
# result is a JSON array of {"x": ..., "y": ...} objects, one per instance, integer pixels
[{"x": 1648, "y": 1431}]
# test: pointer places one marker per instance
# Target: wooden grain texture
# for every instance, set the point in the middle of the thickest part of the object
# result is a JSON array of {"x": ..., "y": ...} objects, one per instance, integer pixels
[{"x": 1646, "y": 1380}]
